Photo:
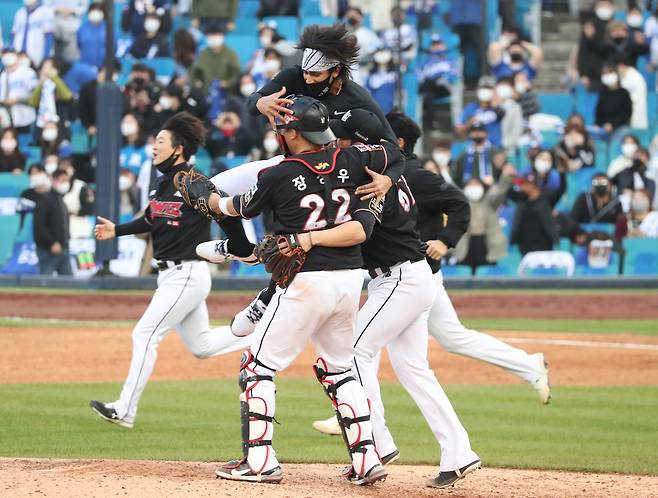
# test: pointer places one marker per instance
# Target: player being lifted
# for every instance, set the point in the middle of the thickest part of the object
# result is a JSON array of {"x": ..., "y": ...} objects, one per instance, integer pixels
[{"x": 312, "y": 189}]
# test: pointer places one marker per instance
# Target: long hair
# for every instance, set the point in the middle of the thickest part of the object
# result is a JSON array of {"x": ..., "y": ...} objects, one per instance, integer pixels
[
  {"x": 186, "y": 130},
  {"x": 336, "y": 42}
]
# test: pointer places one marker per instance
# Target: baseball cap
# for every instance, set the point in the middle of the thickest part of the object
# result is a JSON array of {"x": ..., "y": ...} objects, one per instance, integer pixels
[
  {"x": 359, "y": 125},
  {"x": 478, "y": 126},
  {"x": 436, "y": 38}
]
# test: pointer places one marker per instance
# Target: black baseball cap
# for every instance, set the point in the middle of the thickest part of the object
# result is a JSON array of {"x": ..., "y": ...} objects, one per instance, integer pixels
[{"x": 358, "y": 125}]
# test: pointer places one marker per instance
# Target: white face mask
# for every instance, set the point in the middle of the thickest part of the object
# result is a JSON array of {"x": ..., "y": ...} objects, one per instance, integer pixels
[
  {"x": 543, "y": 166},
  {"x": 604, "y": 13},
  {"x": 24, "y": 62},
  {"x": 8, "y": 145},
  {"x": 247, "y": 89},
  {"x": 50, "y": 167},
  {"x": 49, "y": 134},
  {"x": 215, "y": 41},
  {"x": 474, "y": 192},
  {"x": 265, "y": 41},
  {"x": 125, "y": 182},
  {"x": 29, "y": 3},
  {"x": 128, "y": 128},
  {"x": 639, "y": 205},
  {"x": 635, "y": 21},
  {"x": 151, "y": 25},
  {"x": 628, "y": 149},
  {"x": 148, "y": 149},
  {"x": 270, "y": 144},
  {"x": 9, "y": 59},
  {"x": 609, "y": 79},
  {"x": 39, "y": 180},
  {"x": 165, "y": 102},
  {"x": 96, "y": 16},
  {"x": 382, "y": 57},
  {"x": 485, "y": 94},
  {"x": 63, "y": 188},
  {"x": 504, "y": 92},
  {"x": 272, "y": 66},
  {"x": 521, "y": 87},
  {"x": 441, "y": 158}
]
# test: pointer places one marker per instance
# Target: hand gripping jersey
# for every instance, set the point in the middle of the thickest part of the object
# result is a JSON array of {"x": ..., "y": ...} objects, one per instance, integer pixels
[{"x": 315, "y": 191}]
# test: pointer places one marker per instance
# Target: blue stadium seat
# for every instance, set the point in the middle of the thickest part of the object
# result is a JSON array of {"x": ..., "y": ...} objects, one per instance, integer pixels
[
  {"x": 307, "y": 21},
  {"x": 586, "y": 103},
  {"x": 7, "y": 12},
  {"x": 288, "y": 27},
  {"x": 410, "y": 84},
  {"x": 456, "y": 271},
  {"x": 244, "y": 45},
  {"x": 310, "y": 8},
  {"x": 545, "y": 272},
  {"x": 232, "y": 162},
  {"x": 163, "y": 66},
  {"x": 12, "y": 185},
  {"x": 641, "y": 256},
  {"x": 246, "y": 25},
  {"x": 8, "y": 232},
  {"x": 247, "y": 9},
  {"x": 558, "y": 104},
  {"x": 612, "y": 270},
  {"x": 608, "y": 228},
  {"x": 203, "y": 161},
  {"x": 495, "y": 271}
]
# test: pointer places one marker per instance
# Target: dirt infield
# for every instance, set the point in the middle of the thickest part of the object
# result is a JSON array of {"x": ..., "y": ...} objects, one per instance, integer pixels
[
  {"x": 104, "y": 306},
  {"x": 102, "y": 478}
]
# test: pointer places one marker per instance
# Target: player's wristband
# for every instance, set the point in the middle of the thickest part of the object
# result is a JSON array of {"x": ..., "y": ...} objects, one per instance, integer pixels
[{"x": 223, "y": 205}]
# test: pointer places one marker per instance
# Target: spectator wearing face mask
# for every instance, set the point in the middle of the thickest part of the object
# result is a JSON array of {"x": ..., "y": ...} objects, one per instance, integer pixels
[
  {"x": 369, "y": 42},
  {"x": 217, "y": 62},
  {"x": 67, "y": 21},
  {"x": 212, "y": 16},
  {"x": 53, "y": 99},
  {"x": 135, "y": 11},
  {"x": 151, "y": 43},
  {"x": 39, "y": 184},
  {"x": 614, "y": 107},
  {"x": 484, "y": 242},
  {"x": 512, "y": 123},
  {"x": 624, "y": 42},
  {"x": 536, "y": 193},
  {"x": 525, "y": 95},
  {"x": 269, "y": 68},
  {"x": 651, "y": 36},
  {"x": 382, "y": 80},
  {"x": 79, "y": 201},
  {"x": 436, "y": 77},
  {"x": 51, "y": 227},
  {"x": 511, "y": 55},
  {"x": 129, "y": 201},
  {"x": 632, "y": 80},
  {"x": 641, "y": 221},
  {"x": 32, "y": 31},
  {"x": 169, "y": 103},
  {"x": 441, "y": 157},
  {"x": 133, "y": 153},
  {"x": 142, "y": 93},
  {"x": 599, "y": 205},
  {"x": 630, "y": 144},
  {"x": 635, "y": 177},
  {"x": 593, "y": 49},
  {"x": 268, "y": 37},
  {"x": 270, "y": 145},
  {"x": 17, "y": 83},
  {"x": 228, "y": 137},
  {"x": 52, "y": 142},
  {"x": 575, "y": 150},
  {"x": 480, "y": 159},
  {"x": 406, "y": 33},
  {"x": 486, "y": 111},
  {"x": 184, "y": 54},
  {"x": 11, "y": 158},
  {"x": 91, "y": 36}
]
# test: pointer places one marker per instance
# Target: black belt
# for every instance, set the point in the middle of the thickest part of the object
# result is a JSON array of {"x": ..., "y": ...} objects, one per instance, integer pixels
[
  {"x": 386, "y": 270},
  {"x": 167, "y": 264}
]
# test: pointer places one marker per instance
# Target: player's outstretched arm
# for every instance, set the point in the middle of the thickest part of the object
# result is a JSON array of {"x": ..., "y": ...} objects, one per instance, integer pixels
[{"x": 107, "y": 230}]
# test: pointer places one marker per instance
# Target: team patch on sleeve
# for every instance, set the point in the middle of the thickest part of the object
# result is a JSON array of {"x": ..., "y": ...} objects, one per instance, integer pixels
[
  {"x": 249, "y": 195},
  {"x": 367, "y": 148}
]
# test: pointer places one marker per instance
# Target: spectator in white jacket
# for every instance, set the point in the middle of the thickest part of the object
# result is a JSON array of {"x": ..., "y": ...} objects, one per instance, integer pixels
[
  {"x": 32, "y": 31},
  {"x": 512, "y": 122},
  {"x": 632, "y": 80},
  {"x": 17, "y": 83}
]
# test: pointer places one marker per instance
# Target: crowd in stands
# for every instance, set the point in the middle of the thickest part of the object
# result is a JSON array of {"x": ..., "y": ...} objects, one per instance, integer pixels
[{"x": 544, "y": 176}]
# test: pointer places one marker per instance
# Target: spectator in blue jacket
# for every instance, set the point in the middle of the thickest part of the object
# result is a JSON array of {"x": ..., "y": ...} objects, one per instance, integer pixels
[
  {"x": 133, "y": 153},
  {"x": 152, "y": 42},
  {"x": 135, "y": 12},
  {"x": 511, "y": 55},
  {"x": 382, "y": 80},
  {"x": 91, "y": 37},
  {"x": 486, "y": 110}
]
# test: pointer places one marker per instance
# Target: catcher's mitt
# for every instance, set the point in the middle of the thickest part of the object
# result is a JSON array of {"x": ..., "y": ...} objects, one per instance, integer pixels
[
  {"x": 283, "y": 268},
  {"x": 196, "y": 189}
]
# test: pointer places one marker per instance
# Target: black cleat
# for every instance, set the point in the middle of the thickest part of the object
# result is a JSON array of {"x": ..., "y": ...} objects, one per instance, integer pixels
[
  {"x": 448, "y": 478},
  {"x": 110, "y": 414}
]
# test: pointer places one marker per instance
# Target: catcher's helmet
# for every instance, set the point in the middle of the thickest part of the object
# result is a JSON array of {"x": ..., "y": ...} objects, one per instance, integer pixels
[{"x": 310, "y": 117}]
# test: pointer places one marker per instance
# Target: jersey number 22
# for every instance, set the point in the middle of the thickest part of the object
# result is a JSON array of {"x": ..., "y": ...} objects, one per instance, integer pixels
[{"x": 315, "y": 202}]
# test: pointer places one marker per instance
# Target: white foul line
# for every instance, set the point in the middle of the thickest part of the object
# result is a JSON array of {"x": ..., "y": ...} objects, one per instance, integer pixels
[{"x": 582, "y": 344}]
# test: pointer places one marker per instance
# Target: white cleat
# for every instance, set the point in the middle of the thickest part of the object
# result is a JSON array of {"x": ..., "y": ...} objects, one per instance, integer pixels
[
  {"x": 542, "y": 385},
  {"x": 216, "y": 251},
  {"x": 329, "y": 426},
  {"x": 244, "y": 323}
]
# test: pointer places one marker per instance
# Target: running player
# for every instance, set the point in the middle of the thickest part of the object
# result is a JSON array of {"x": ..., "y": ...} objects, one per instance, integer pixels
[{"x": 184, "y": 281}]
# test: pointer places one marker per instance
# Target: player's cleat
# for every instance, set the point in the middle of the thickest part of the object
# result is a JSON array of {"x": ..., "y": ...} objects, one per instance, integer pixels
[
  {"x": 239, "y": 470},
  {"x": 107, "y": 412},
  {"x": 244, "y": 323},
  {"x": 391, "y": 457},
  {"x": 216, "y": 251},
  {"x": 541, "y": 385},
  {"x": 445, "y": 479},
  {"x": 376, "y": 473},
  {"x": 329, "y": 426}
]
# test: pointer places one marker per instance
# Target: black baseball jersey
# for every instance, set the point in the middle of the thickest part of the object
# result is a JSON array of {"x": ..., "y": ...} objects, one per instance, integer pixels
[
  {"x": 443, "y": 210},
  {"x": 396, "y": 238},
  {"x": 175, "y": 227},
  {"x": 315, "y": 191}
]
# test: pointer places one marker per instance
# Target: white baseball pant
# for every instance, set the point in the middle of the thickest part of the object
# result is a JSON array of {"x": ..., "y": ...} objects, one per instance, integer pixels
[
  {"x": 445, "y": 327},
  {"x": 395, "y": 317},
  {"x": 238, "y": 180},
  {"x": 179, "y": 302}
]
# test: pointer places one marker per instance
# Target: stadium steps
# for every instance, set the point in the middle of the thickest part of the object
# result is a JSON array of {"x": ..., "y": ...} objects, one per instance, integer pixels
[{"x": 560, "y": 33}]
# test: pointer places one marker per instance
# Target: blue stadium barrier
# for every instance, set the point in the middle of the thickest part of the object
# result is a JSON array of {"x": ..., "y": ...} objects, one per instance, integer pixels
[
  {"x": 495, "y": 271},
  {"x": 456, "y": 271},
  {"x": 8, "y": 230},
  {"x": 640, "y": 257},
  {"x": 608, "y": 228},
  {"x": 7, "y": 12},
  {"x": 12, "y": 185},
  {"x": 558, "y": 104},
  {"x": 244, "y": 46},
  {"x": 612, "y": 270},
  {"x": 410, "y": 84}
]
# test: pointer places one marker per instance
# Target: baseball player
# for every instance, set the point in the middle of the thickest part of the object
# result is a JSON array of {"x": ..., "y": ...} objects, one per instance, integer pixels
[
  {"x": 184, "y": 280},
  {"x": 312, "y": 189}
]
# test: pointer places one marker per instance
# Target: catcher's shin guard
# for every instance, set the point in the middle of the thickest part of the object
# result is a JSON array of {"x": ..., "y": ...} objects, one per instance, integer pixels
[
  {"x": 257, "y": 404},
  {"x": 352, "y": 408}
]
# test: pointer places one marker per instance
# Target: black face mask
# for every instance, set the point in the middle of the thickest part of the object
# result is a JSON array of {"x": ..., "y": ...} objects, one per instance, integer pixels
[
  {"x": 600, "y": 190},
  {"x": 516, "y": 57},
  {"x": 619, "y": 39},
  {"x": 319, "y": 89},
  {"x": 478, "y": 139},
  {"x": 638, "y": 166},
  {"x": 352, "y": 21},
  {"x": 166, "y": 165}
]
